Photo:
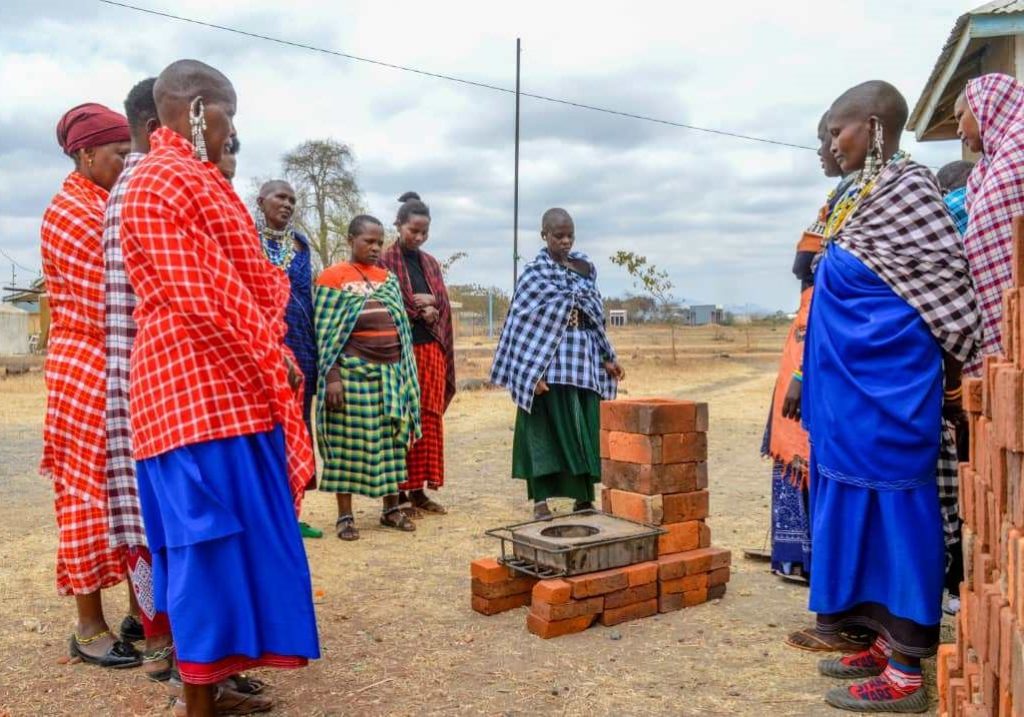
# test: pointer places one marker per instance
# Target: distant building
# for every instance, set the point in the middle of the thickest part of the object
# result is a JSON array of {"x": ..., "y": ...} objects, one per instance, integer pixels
[
  {"x": 14, "y": 335},
  {"x": 618, "y": 317},
  {"x": 703, "y": 315},
  {"x": 987, "y": 39}
]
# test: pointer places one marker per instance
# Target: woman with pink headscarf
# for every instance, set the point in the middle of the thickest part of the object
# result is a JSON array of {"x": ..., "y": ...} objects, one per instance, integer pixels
[{"x": 990, "y": 113}]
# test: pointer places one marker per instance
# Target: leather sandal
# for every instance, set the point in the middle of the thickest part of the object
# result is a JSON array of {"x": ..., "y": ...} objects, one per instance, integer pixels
[
  {"x": 231, "y": 702},
  {"x": 345, "y": 528},
  {"x": 131, "y": 629},
  {"x": 164, "y": 653},
  {"x": 121, "y": 655},
  {"x": 400, "y": 522}
]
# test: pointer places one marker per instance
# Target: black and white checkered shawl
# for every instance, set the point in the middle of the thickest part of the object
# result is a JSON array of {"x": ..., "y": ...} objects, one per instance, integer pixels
[{"x": 903, "y": 232}]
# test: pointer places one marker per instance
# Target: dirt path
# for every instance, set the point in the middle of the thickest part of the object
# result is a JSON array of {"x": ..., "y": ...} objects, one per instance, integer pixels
[{"x": 398, "y": 636}]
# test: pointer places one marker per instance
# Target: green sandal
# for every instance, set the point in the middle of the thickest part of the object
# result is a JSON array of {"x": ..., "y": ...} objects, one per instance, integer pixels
[{"x": 308, "y": 531}]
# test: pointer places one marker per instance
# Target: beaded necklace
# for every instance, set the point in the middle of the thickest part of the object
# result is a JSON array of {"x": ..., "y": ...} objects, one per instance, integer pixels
[
  {"x": 857, "y": 192},
  {"x": 278, "y": 246}
]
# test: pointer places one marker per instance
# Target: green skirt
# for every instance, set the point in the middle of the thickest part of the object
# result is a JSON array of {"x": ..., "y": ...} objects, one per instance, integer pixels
[
  {"x": 556, "y": 448},
  {"x": 364, "y": 454}
]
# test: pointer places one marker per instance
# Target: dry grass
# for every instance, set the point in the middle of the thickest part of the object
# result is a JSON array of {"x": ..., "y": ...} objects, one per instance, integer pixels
[{"x": 397, "y": 634}]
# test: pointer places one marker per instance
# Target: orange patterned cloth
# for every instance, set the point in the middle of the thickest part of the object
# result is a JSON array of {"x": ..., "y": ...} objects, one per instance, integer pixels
[{"x": 74, "y": 438}]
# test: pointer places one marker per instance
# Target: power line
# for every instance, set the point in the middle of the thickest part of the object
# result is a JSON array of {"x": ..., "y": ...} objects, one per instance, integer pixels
[
  {"x": 17, "y": 264},
  {"x": 452, "y": 78}
]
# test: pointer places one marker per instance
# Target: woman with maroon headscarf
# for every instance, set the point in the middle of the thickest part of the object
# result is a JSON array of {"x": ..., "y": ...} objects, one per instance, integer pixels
[
  {"x": 74, "y": 438},
  {"x": 426, "y": 301}
]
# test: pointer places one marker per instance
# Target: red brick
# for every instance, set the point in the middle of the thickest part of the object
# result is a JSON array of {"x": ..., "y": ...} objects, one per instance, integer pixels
[
  {"x": 1017, "y": 268},
  {"x": 943, "y": 660},
  {"x": 681, "y": 537},
  {"x": 635, "y": 506},
  {"x": 1005, "y": 702},
  {"x": 681, "y": 507},
  {"x": 601, "y": 583},
  {"x": 670, "y": 602},
  {"x": 504, "y": 604},
  {"x": 567, "y": 611},
  {"x": 995, "y": 608},
  {"x": 718, "y": 577},
  {"x": 516, "y": 586},
  {"x": 1017, "y": 670},
  {"x": 1015, "y": 488},
  {"x": 631, "y": 596},
  {"x": 716, "y": 592},
  {"x": 703, "y": 560},
  {"x": 558, "y": 628},
  {"x": 554, "y": 592},
  {"x": 654, "y": 479},
  {"x": 685, "y": 584},
  {"x": 1020, "y": 584},
  {"x": 966, "y": 475},
  {"x": 489, "y": 570},
  {"x": 653, "y": 416},
  {"x": 1006, "y": 628},
  {"x": 695, "y": 597},
  {"x": 972, "y": 395},
  {"x": 957, "y": 692},
  {"x": 626, "y": 613},
  {"x": 602, "y": 445},
  {"x": 684, "y": 447},
  {"x": 642, "y": 573},
  {"x": 1007, "y": 413}
]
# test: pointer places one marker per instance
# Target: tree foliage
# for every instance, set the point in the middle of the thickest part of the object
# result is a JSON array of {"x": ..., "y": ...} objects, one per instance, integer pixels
[
  {"x": 322, "y": 172},
  {"x": 652, "y": 282}
]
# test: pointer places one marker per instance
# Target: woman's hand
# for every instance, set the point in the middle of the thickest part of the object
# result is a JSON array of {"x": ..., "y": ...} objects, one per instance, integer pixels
[
  {"x": 335, "y": 398},
  {"x": 422, "y": 301},
  {"x": 615, "y": 370},
  {"x": 294, "y": 377},
  {"x": 429, "y": 315},
  {"x": 541, "y": 388},
  {"x": 791, "y": 405}
]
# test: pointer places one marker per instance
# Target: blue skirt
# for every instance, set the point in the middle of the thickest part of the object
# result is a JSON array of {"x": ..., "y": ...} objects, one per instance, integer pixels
[
  {"x": 872, "y": 403},
  {"x": 228, "y": 561}
]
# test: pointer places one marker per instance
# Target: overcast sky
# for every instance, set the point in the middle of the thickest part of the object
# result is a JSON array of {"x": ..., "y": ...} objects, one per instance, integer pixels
[{"x": 721, "y": 215}]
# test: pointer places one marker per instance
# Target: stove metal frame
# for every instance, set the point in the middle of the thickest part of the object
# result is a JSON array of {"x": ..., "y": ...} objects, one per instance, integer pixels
[{"x": 533, "y": 568}]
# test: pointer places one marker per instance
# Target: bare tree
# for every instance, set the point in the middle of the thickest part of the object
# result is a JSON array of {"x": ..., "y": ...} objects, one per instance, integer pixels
[
  {"x": 322, "y": 172},
  {"x": 448, "y": 263},
  {"x": 651, "y": 282}
]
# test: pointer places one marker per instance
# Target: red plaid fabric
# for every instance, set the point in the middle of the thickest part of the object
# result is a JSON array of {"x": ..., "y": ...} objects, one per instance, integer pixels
[
  {"x": 74, "y": 442},
  {"x": 208, "y": 360},
  {"x": 995, "y": 195},
  {"x": 425, "y": 460},
  {"x": 86, "y": 562}
]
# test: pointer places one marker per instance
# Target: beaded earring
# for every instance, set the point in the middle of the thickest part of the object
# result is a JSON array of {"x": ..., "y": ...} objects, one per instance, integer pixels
[
  {"x": 197, "y": 121},
  {"x": 875, "y": 159}
]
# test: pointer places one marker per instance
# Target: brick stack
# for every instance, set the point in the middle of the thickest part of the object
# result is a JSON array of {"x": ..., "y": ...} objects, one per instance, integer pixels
[
  {"x": 654, "y": 470},
  {"x": 497, "y": 588},
  {"x": 983, "y": 673}
]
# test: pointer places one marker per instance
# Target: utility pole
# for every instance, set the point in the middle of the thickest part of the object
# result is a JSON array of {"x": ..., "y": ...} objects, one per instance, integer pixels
[{"x": 515, "y": 201}]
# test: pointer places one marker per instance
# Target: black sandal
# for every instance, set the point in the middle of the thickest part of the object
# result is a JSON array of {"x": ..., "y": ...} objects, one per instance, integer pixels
[
  {"x": 345, "y": 528},
  {"x": 245, "y": 684},
  {"x": 402, "y": 522},
  {"x": 121, "y": 655},
  {"x": 131, "y": 629}
]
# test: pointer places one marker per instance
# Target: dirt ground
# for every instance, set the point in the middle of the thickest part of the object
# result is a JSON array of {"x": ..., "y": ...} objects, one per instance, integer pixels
[{"x": 397, "y": 634}]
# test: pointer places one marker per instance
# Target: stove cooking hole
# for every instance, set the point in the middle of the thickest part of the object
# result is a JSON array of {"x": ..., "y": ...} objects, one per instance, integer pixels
[{"x": 569, "y": 531}]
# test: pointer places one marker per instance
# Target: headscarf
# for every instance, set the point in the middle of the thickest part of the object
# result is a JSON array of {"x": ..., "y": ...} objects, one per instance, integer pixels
[
  {"x": 91, "y": 125},
  {"x": 995, "y": 195}
]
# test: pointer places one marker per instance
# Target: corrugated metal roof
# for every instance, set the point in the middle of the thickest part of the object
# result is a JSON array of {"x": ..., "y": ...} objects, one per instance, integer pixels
[{"x": 996, "y": 7}]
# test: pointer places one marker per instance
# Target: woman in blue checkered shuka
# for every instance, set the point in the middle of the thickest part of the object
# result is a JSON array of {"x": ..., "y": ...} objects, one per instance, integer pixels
[{"x": 557, "y": 362}]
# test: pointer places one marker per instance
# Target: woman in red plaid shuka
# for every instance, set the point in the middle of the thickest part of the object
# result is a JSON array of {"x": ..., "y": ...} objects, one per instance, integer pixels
[
  {"x": 74, "y": 440},
  {"x": 426, "y": 301}
]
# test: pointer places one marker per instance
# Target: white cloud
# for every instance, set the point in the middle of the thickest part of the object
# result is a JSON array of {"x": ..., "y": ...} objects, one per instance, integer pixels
[{"x": 722, "y": 215}]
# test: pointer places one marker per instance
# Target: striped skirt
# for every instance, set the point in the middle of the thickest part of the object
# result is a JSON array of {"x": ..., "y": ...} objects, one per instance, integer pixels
[
  {"x": 426, "y": 457},
  {"x": 365, "y": 455}
]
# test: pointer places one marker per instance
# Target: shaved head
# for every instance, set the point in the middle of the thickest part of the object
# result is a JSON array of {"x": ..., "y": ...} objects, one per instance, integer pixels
[
  {"x": 184, "y": 80},
  {"x": 272, "y": 186},
  {"x": 823, "y": 124},
  {"x": 874, "y": 99},
  {"x": 554, "y": 216}
]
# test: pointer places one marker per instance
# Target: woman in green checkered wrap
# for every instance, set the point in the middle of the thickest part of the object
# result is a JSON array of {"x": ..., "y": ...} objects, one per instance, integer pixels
[{"x": 368, "y": 408}]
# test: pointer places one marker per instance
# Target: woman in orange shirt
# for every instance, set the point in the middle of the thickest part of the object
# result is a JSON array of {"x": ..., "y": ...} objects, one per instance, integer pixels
[{"x": 368, "y": 409}]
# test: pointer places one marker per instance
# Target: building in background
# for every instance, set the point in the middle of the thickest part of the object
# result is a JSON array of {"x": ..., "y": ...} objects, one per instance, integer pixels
[
  {"x": 987, "y": 39},
  {"x": 618, "y": 317},
  {"x": 703, "y": 315}
]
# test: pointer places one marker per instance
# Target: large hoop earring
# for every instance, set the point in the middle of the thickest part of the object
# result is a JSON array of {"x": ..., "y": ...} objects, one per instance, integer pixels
[{"x": 197, "y": 122}]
